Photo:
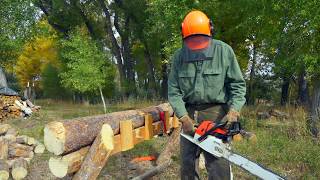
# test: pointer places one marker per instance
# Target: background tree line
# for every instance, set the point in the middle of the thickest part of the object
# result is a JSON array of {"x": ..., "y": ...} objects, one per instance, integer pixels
[{"x": 122, "y": 48}]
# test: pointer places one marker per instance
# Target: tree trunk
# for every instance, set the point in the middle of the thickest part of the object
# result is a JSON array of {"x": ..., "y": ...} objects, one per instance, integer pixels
[
  {"x": 68, "y": 164},
  {"x": 164, "y": 83},
  {"x": 98, "y": 155},
  {"x": 4, "y": 170},
  {"x": 251, "y": 96},
  {"x": 315, "y": 109},
  {"x": 104, "y": 103},
  {"x": 116, "y": 51},
  {"x": 3, "y": 79},
  {"x": 285, "y": 91},
  {"x": 62, "y": 137},
  {"x": 151, "y": 74},
  {"x": 303, "y": 88}
]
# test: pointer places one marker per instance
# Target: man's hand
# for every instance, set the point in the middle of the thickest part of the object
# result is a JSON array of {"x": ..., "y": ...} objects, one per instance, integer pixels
[
  {"x": 232, "y": 116},
  {"x": 187, "y": 125}
]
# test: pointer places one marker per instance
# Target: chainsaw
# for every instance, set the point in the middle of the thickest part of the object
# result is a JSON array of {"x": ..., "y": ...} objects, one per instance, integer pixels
[{"x": 215, "y": 138}]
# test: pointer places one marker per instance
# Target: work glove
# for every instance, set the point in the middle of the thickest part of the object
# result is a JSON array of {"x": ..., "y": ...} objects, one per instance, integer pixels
[
  {"x": 187, "y": 125},
  {"x": 232, "y": 116}
]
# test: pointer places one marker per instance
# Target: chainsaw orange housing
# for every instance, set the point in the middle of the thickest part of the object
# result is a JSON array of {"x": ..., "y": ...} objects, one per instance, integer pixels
[{"x": 206, "y": 126}]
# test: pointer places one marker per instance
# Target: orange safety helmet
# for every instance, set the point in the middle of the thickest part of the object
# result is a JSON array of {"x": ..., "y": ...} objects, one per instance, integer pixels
[{"x": 196, "y": 23}]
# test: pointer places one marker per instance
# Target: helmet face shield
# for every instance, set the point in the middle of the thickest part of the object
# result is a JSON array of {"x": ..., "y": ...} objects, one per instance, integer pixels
[
  {"x": 197, "y": 48},
  {"x": 197, "y": 42}
]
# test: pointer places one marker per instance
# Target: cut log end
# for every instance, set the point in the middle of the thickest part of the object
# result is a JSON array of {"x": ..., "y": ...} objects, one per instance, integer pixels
[
  {"x": 4, "y": 170},
  {"x": 54, "y": 137},
  {"x": 39, "y": 149},
  {"x": 19, "y": 173},
  {"x": 4, "y": 175},
  {"x": 107, "y": 137},
  {"x": 58, "y": 167},
  {"x": 19, "y": 169}
]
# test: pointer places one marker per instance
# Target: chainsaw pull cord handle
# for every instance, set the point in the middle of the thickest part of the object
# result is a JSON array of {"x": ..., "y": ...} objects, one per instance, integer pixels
[{"x": 205, "y": 135}]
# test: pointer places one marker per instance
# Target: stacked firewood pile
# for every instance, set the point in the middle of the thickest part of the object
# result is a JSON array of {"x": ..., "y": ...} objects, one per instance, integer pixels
[
  {"x": 13, "y": 106},
  {"x": 83, "y": 145},
  {"x": 16, "y": 151}
]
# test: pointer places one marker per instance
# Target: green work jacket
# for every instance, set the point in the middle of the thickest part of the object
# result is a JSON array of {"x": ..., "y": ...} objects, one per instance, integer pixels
[{"x": 217, "y": 79}]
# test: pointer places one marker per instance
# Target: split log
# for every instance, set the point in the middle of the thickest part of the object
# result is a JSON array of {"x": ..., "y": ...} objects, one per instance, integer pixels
[
  {"x": 39, "y": 149},
  {"x": 68, "y": 164},
  {"x": 4, "y": 128},
  {"x": 61, "y": 137},
  {"x": 98, "y": 155},
  {"x": 19, "y": 169},
  {"x": 4, "y": 170},
  {"x": 19, "y": 150},
  {"x": 4, "y": 149}
]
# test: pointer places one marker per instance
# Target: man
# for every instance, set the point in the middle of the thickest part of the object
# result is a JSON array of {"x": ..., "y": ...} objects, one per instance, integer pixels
[{"x": 205, "y": 83}]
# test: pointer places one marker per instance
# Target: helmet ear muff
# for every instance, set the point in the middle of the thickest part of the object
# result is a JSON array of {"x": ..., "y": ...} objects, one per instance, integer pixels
[{"x": 211, "y": 27}]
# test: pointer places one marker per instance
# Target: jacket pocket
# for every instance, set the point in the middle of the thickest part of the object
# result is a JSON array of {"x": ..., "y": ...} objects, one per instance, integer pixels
[
  {"x": 186, "y": 79},
  {"x": 213, "y": 77}
]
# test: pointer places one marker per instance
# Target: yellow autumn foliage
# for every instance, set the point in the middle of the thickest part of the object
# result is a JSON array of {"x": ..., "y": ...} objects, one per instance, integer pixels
[{"x": 35, "y": 56}]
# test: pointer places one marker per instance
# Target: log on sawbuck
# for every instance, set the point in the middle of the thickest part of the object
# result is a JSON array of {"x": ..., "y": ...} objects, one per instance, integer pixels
[
  {"x": 127, "y": 128},
  {"x": 62, "y": 137}
]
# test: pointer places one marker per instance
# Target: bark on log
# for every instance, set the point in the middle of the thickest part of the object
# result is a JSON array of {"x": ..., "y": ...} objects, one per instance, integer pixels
[
  {"x": 19, "y": 150},
  {"x": 97, "y": 156},
  {"x": 19, "y": 169},
  {"x": 61, "y": 137},
  {"x": 4, "y": 128},
  {"x": 4, "y": 145},
  {"x": 22, "y": 139},
  {"x": 4, "y": 170},
  {"x": 68, "y": 164}
]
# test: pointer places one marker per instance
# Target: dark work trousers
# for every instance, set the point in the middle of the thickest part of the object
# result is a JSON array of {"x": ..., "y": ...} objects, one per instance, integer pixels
[{"x": 218, "y": 169}]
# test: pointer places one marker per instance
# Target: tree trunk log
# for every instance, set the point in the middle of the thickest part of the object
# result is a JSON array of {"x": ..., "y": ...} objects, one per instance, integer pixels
[
  {"x": 171, "y": 147},
  {"x": 4, "y": 170},
  {"x": 19, "y": 169},
  {"x": 61, "y": 137},
  {"x": 3, "y": 149},
  {"x": 98, "y": 155},
  {"x": 68, "y": 164}
]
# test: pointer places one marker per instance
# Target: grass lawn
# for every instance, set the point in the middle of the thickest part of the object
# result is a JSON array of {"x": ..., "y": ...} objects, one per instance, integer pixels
[{"x": 284, "y": 145}]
